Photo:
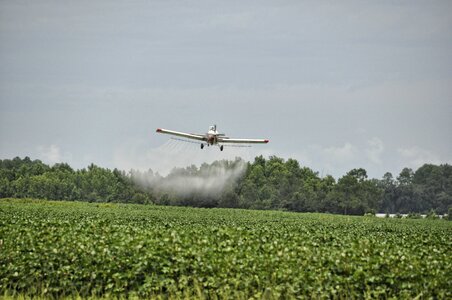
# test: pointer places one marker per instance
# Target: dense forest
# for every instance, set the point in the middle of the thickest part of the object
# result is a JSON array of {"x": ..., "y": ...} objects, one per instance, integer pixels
[{"x": 271, "y": 183}]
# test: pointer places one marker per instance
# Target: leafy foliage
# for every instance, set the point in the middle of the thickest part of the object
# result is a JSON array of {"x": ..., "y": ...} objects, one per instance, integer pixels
[
  {"x": 26, "y": 178},
  {"x": 264, "y": 184},
  {"x": 426, "y": 190},
  {"x": 57, "y": 249}
]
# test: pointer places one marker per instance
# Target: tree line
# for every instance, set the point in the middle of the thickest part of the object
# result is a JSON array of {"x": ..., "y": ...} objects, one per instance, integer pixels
[{"x": 265, "y": 183}]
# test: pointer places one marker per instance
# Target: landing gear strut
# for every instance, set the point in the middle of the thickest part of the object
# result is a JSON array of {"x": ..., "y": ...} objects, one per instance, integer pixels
[
  {"x": 221, "y": 148},
  {"x": 202, "y": 146}
]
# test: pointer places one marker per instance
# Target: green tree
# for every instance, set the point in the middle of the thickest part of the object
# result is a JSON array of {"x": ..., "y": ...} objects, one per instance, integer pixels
[
  {"x": 389, "y": 196},
  {"x": 354, "y": 194}
]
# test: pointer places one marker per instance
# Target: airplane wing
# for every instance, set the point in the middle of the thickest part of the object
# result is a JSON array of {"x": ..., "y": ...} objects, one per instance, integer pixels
[
  {"x": 242, "y": 141},
  {"x": 198, "y": 137}
]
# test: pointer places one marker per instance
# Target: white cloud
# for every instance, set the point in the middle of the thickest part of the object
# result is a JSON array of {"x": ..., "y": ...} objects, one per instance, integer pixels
[
  {"x": 415, "y": 156},
  {"x": 337, "y": 160},
  {"x": 374, "y": 150},
  {"x": 332, "y": 160},
  {"x": 341, "y": 154},
  {"x": 50, "y": 154}
]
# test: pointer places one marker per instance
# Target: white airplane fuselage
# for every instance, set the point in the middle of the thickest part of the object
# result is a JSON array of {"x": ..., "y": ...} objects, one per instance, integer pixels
[{"x": 212, "y": 136}]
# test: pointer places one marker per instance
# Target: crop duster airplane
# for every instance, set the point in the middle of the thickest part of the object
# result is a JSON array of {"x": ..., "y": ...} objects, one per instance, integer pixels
[{"x": 212, "y": 137}]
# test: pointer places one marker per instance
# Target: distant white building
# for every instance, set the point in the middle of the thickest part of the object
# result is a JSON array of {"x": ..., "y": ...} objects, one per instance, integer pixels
[{"x": 382, "y": 215}]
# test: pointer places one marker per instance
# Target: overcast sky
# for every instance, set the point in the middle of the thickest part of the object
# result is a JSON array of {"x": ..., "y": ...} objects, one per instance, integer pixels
[{"x": 334, "y": 84}]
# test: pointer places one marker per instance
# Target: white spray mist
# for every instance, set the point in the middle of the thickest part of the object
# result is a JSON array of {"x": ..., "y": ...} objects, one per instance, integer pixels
[{"x": 208, "y": 180}]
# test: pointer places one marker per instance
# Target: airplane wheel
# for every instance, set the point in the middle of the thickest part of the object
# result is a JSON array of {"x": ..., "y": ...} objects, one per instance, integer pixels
[
  {"x": 202, "y": 146},
  {"x": 221, "y": 148}
]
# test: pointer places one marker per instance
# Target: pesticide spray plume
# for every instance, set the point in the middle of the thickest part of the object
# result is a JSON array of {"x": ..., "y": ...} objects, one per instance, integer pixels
[
  {"x": 209, "y": 180},
  {"x": 182, "y": 170}
]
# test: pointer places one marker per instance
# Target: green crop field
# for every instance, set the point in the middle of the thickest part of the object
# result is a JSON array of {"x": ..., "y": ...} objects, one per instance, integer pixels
[{"x": 72, "y": 249}]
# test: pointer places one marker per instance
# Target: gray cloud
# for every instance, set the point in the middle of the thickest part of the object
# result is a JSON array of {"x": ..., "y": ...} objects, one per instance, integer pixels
[{"x": 96, "y": 78}]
